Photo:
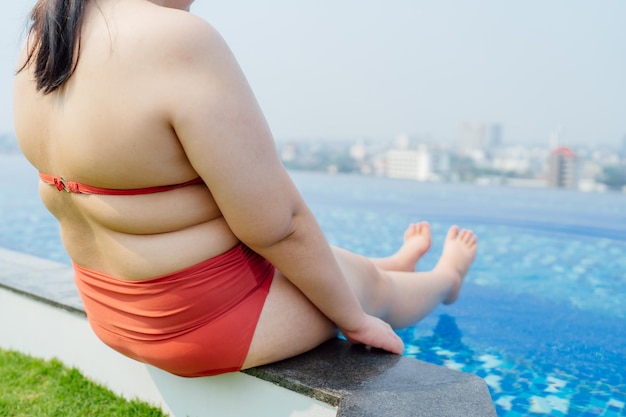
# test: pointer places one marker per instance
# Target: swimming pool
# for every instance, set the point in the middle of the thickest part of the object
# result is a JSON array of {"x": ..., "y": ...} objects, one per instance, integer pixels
[{"x": 541, "y": 317}]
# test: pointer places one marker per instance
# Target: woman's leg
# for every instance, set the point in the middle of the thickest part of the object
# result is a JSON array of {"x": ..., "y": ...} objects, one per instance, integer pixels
[{"x": 290, "y": 324}]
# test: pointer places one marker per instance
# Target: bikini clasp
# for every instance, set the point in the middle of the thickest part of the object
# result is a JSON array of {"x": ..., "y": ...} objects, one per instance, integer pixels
[{"x": 61, "y": 184}]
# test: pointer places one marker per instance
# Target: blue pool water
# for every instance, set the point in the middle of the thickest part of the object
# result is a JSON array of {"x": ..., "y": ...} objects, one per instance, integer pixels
[{"x": 542, "y": 315}]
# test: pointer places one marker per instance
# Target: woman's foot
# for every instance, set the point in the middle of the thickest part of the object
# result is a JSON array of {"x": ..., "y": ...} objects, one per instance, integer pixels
[
  {"x": 417, "y": 241},
  {"x": 459, "y": 251}
]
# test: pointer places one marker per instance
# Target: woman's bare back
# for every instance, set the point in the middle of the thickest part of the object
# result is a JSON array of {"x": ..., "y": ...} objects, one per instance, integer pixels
[{"x": 107, "y": 127}]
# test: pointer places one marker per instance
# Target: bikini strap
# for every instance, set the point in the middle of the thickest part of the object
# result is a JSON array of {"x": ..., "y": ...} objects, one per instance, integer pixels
[{"x": 62, "y": 184}]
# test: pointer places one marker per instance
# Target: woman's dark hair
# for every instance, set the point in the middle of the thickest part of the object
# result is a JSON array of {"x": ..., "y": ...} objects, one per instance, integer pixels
[{"x": 55, "y": 36}]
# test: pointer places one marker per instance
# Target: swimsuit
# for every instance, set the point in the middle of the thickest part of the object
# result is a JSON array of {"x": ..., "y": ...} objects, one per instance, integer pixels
[
  {"x": 198, "y": 321},
  {"x": 75, "y": 187},
  {"x": 195, "y": 322}
]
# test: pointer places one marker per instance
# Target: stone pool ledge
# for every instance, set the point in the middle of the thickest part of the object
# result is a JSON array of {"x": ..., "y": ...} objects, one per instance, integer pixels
[
  {"x": 364, "y": 382},
  {"x": 41, "y": 314}
]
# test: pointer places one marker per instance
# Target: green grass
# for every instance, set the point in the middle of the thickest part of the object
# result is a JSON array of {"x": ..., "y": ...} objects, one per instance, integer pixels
[{"x": 31, "y": 387}]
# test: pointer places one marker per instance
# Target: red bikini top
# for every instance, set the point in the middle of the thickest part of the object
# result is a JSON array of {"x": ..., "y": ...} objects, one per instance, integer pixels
[{"x": 62, "y": 184}]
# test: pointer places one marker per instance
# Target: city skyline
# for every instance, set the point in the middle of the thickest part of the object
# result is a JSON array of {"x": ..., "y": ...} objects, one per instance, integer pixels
[{"x": 351, "y": 70}]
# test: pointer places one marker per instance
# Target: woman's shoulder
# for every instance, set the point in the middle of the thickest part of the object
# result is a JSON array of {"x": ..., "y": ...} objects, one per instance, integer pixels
[{"x": 174, "y": 31}]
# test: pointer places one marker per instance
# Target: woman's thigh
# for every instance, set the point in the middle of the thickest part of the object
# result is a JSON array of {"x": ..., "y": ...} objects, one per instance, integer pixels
[{"x": 288, "y": 326}]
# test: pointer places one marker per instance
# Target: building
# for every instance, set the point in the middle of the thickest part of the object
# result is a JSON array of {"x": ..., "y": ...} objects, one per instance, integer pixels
[
  {"x": 472, "y": 136},
  {"x": 495, "y": 136},
  {"x": 420, "y": 164},
  {"x": 408, "y": 164},
  {"x": 562, "y": 168}
]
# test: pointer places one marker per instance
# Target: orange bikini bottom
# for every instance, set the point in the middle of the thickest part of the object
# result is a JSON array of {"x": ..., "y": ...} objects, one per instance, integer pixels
[{"x": 195, "y": 322}]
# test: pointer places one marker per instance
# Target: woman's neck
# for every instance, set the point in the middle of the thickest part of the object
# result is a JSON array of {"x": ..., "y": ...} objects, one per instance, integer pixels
[{"x": 174, "y": 4}]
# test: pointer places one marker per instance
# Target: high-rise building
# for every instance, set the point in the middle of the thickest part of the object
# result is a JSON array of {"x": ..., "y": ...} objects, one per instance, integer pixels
[
  {"x": 562, "y": 168},
  {"x": 472, "y": 136},
  {"x": 495, "y": 136},
  {"x": 478, "y": 136}
]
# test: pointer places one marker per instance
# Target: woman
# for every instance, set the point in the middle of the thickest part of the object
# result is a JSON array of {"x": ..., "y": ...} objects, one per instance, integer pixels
[{"x": 192, "y": 249}]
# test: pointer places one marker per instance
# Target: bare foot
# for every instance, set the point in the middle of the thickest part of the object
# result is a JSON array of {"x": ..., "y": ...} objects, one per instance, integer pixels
[
  {"x": 417, "y": 241},
  {"x": 459, "y": 251}
]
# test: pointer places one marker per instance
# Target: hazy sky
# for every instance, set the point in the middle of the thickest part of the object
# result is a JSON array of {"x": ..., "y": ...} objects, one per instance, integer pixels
[{"x": 375, "y": 69}]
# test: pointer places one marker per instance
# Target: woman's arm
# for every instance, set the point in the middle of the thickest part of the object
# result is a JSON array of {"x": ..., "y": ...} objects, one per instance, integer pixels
[{"x": 228, "y": 142}]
